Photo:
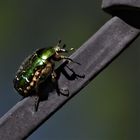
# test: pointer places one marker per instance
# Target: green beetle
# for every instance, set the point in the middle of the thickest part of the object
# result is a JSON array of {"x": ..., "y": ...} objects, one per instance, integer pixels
[{"x": 37, "y": 67}]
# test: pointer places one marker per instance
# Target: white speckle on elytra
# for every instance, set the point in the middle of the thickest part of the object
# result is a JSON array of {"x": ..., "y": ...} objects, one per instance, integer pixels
[
  {"x": 25, "y": 78},
  {"x": 17, "y": 79},
  {"x": 20, "y": 89}
]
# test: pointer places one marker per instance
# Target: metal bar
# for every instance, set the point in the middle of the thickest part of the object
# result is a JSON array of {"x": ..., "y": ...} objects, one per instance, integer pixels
[
  {"x": 94, "y": 55},
  {"x": 123, "y": 3}
]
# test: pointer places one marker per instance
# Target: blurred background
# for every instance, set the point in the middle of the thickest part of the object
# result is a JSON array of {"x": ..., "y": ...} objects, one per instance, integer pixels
[{"x": 108, "y": 108}]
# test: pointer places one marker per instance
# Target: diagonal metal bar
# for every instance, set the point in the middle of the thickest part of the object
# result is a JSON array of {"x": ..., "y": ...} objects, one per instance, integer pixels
[
  {"x": 94, "y": 55},
  {"x": 133, "y": 4}
]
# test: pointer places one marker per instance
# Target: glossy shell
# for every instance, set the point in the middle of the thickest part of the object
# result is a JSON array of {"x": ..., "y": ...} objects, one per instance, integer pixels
[{"x": 29, "y": 74}]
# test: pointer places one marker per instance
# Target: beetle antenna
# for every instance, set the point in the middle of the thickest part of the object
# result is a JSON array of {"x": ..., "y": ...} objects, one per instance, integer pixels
[
  {"x": 64, "y": 46},
  {"x": 58, "y": 42}
]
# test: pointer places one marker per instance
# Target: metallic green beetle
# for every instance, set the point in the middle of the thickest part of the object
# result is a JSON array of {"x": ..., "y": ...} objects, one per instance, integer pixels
[{"x": 37, "y": 67}]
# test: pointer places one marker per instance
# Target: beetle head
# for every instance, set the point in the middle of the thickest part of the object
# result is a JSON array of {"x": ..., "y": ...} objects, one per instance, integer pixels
[{"x": 58, "y": 49}]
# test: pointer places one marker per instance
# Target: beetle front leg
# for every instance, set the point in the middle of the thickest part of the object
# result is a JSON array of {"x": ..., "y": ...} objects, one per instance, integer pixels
[
  {"x": 69, "y": 59},
  {"x": 60, "y": 91}
]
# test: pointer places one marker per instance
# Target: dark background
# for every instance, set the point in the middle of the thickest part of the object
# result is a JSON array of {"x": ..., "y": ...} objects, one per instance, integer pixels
[{"x": 108, "y": 108}]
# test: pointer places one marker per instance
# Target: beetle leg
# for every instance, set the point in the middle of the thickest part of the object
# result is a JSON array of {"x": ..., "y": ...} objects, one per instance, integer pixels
[
  {"x": 53, "y": 74},
  {"x": 36, "y": 104},
  {"x": 69, "y": 59}
]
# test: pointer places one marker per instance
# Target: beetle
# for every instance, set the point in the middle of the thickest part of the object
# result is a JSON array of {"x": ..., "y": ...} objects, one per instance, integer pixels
[{"x": 37, "y": 67}]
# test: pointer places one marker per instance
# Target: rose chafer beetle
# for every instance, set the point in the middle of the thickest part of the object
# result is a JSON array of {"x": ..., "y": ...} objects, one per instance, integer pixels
[{"x": 37, "y": 67}]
